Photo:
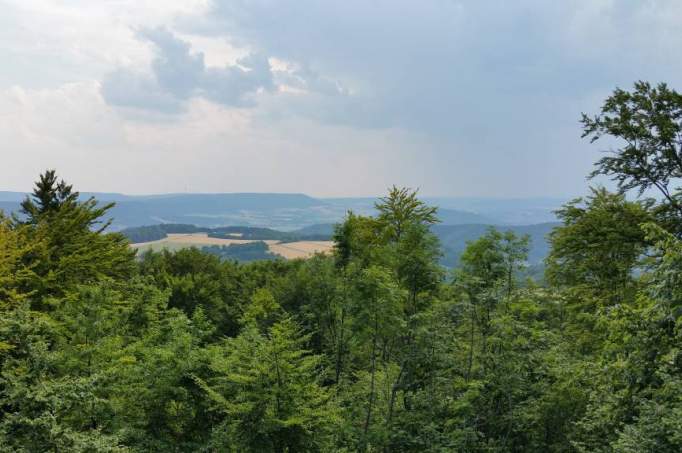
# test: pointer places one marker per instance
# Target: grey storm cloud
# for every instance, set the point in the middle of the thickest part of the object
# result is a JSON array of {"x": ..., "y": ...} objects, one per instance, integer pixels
[
  {"x": 488, "y": 82},
  {"x": 449, "y": 66},
  {"x": 177, "y": 75},
  {"x": 493, "y": 86}
]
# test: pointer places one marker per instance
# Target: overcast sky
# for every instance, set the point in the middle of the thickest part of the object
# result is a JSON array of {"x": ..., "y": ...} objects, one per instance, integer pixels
[{"x": 329, "y": 98}]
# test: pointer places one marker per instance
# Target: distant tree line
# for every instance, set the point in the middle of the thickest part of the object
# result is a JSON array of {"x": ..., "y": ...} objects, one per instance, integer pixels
[
  {"x": 264, "y": 234},
  {"x": 157, "y": 232},
  {"x": 244, "y": 253},
  {"x": 151, "y": 233}
]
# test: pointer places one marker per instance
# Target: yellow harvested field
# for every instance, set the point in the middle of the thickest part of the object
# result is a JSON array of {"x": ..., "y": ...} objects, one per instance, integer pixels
[
  {"x": 301, "y": 249},
  {"x": 180, "y": 241},
  {"x": 203, "y": 239},
  {"x": 289, "y": 250}
]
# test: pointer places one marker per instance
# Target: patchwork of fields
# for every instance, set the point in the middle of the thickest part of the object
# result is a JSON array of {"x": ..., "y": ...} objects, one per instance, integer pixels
[
  {"x": 288, "y": 250},
  {"x": 301, "y": 249}
]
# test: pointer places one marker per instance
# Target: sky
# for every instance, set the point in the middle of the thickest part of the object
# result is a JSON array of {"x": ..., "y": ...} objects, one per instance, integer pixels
[{"x": 330, "y": 98}]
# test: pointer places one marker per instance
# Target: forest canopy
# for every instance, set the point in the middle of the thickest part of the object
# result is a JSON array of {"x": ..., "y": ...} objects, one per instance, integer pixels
[{"x": 376, "y": 347}]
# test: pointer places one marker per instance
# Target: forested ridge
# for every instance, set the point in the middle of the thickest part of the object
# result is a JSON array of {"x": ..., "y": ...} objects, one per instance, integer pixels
[{"x": 376, "y": 348}]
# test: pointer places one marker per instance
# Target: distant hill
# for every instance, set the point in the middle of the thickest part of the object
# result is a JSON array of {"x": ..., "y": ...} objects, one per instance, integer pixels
[
  {"x": 454, "y": 239},
  {"x": 320, "y": 229},
  {"x": 291, "y": 217},
  {"x": 286, "y": 211},
  {"x": 504, "y": 211},
  {"x": 150, "y": 233},
  {"x": 283, "y": 212},
  {"x": 244, "y": 253},
  {"x": 470, "y": 210},
  {"x": 9, "y": 207},
  {"x": 102, "y": 196},
  {"x": 11, "y": 196},
  {"x": 455, "y": 217}
]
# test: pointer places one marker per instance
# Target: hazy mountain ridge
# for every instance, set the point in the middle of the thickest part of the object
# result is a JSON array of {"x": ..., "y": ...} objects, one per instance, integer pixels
[
  {"x": 288, "y": 212},
  {"x": 454, "y": 238},
  {"x": 285, "y": 216}
]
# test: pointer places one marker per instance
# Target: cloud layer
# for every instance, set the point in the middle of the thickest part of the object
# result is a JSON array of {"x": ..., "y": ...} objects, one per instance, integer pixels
[
  {"x": 178, "y": 74},
  {"x": 461, "y": 97}
]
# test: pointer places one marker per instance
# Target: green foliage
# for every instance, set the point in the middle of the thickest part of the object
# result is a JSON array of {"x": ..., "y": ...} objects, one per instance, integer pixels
[
  {"x": 49, "y": 196},
  {"x": 15, "y": 274},
  {"x": 199, "y": 280},
  {"x": 401, "y": 208},
  {"x": 266, "y": 389},
  {"x": 43, "y": 409},
  {"x": 647, "y": 123},
  {"x": 371, "y": 349},
  {"x": 262, "y": 311},
  {"x": 69, "y": 246},
  {"x": 156, "y": 232},
  {"x": 251, "y": 251},
  {"x": 599, "y": 246}
]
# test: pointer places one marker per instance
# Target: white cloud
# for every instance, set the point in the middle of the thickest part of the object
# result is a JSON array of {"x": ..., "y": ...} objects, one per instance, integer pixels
[
  {"x": 456, "y": 96},
  {"x": 208, "y": 148},
  {"x": 51, "y": 43},
  {"x": 179, "y": 74}
]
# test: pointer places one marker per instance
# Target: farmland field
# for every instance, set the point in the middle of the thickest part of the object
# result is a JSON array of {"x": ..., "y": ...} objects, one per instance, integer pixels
[
  {"x": 301, "y": 249},
  {"x": 291, "y": 250}
]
